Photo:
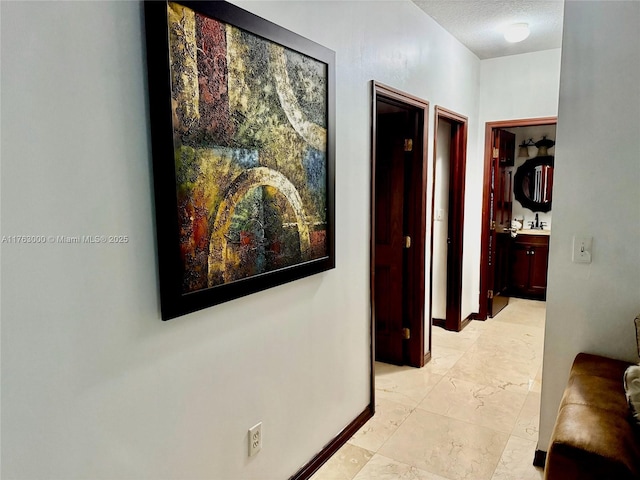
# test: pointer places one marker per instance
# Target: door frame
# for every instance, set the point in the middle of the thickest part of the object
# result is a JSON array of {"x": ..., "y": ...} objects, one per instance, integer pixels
[
  {"x": 457, "y": 176},
  {"x": 484, "y": 239},
  {"x": 416, "y": 351}
]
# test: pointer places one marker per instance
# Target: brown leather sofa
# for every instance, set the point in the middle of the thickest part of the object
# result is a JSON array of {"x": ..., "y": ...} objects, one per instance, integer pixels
[{"x": 594, "y": 436}]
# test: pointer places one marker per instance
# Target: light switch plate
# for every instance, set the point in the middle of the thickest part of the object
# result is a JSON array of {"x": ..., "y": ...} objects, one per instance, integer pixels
[{"x": 582, "y": 252}]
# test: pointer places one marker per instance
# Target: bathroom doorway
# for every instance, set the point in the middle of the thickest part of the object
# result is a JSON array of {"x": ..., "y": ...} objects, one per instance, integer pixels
[{"x": 500, "y": 208}]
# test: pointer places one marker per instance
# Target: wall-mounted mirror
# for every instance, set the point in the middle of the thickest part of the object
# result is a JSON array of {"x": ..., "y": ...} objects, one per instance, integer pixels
[{"x": 533, "y": 182}]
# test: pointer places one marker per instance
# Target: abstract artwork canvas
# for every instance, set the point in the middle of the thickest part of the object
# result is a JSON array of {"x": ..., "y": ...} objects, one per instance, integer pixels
[{"x": 242, "y": 136}]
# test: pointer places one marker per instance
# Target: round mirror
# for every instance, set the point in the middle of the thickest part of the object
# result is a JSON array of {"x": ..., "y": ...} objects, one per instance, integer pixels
[{"x": 532, "y": 183}]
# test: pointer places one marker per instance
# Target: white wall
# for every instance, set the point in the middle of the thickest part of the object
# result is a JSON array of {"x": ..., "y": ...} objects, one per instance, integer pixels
[
  {"x": 591, "y": 307},
  {"x": 94, "y": 385},
  {"x": 519, "y": 86}
]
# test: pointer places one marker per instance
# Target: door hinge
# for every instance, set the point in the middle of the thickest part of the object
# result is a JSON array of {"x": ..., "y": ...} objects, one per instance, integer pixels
[
  {"x": 406, "y": 333},
  {"x": 408, "y": 144},
  {"x": 492, "y": 227},
  {"x": 407, "y": 241},
  {"x": 496, "y": 153},
  {"x": 489, "y": 294}
]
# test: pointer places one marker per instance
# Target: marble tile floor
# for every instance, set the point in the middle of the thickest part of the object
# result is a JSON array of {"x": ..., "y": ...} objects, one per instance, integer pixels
[{"x": 471, "y": 413}]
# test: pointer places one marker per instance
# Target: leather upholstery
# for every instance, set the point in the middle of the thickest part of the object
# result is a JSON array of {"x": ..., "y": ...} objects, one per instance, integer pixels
[{"x": 594, "y": 436}]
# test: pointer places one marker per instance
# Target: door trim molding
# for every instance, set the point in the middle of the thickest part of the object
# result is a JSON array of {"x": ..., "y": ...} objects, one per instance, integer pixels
[
  {"x": 416, "y": 345},
  {"x": 484, "y": 238},
  {"x": 458, "y": 165},
  {"x": 399, "y": 95}
]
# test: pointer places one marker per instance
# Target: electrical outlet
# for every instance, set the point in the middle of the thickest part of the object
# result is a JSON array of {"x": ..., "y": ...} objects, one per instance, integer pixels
[{"x": 255, "y": 439}]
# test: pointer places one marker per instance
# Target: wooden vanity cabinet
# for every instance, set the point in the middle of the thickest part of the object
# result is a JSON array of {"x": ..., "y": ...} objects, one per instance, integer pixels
[{"x": 529, "y": 260}]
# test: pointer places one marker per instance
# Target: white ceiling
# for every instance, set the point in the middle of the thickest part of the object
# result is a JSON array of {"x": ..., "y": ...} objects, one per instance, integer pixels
[{"x": 478, "y": 24}]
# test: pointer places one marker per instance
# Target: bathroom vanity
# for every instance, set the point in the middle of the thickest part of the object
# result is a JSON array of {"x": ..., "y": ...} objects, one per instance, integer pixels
[{"x": 529, "y": 260}]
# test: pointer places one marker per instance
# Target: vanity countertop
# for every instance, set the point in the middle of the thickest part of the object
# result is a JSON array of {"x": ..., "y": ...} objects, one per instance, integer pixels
[{"x": 533, "y": 231}]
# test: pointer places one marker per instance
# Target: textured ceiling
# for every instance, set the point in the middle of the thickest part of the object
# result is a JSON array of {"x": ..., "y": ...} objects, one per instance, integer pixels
[{"x": 478, "y": 24}]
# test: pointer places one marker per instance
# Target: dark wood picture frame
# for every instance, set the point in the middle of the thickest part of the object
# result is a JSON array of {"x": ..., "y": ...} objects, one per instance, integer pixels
[{"x": 306, "y": 195}]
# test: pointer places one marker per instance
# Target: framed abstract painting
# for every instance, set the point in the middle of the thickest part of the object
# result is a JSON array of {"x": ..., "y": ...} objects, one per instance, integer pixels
[{"x": 242, "y": 130}]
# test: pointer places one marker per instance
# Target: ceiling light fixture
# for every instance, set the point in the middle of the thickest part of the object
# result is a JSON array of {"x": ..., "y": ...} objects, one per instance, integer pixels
[{"x": 516, "y": 32}]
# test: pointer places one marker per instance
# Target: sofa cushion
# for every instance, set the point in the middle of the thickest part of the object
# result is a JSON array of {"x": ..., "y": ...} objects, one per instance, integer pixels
[
  {"x": 594, "y": 437},
  {"x": 586, "y": 434},
  {"x": 598, "y": 392}
]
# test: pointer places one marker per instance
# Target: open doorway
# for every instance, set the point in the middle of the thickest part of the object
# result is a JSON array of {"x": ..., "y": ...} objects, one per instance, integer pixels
[
  {"x": 509, "y": 266},
  {"x": 447, "y": 226},
  {"x": 398, "y": 226}
]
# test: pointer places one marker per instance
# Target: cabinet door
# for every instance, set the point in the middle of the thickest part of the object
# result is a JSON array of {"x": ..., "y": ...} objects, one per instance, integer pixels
[
  {"x": 503, "y": 251},
  {"x": 507, "y": 152},
  {"x": 520, "y": 268},
  {"x": 539, "y": 258}
]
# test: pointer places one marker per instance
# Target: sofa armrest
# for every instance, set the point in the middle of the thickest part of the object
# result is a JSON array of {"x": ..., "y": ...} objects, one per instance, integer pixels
[{"x": 593, "y": 438}]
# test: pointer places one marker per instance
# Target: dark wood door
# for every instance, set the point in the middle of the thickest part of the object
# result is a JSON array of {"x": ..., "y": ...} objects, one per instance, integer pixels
[
  {"x": 389, "y": 237},
  {"x": 455, "y": 220},
  {"x": 398, "y": 227},
  {"x": 500, "y": 195}
]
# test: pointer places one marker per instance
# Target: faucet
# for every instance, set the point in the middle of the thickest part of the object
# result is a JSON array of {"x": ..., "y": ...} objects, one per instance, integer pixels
[{"x": 537, "y": 224}]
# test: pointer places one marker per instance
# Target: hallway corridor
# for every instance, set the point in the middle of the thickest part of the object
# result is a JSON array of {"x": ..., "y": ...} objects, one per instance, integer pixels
[{"x": 471, "y": 413}]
